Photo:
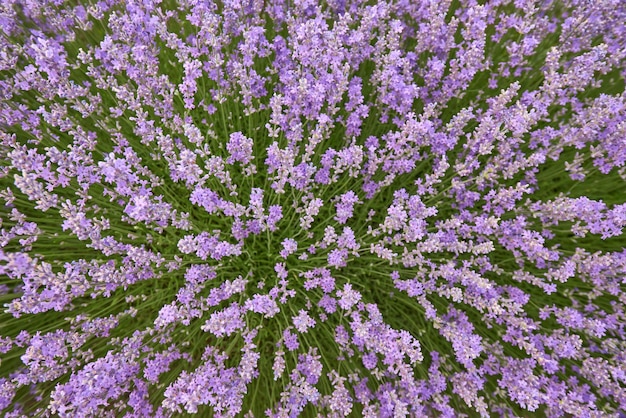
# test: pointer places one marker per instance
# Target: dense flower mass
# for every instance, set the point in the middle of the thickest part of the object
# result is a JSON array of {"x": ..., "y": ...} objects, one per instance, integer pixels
[{"x": 297, "y": 208}]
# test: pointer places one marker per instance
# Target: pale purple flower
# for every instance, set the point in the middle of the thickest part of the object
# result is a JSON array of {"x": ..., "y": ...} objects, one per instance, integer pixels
[
  {"x": 302, "y": 322},
  {"x": 200, "y": 199}
]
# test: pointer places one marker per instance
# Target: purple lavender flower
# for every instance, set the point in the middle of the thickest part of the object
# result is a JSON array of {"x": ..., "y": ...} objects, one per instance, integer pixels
[{"x": 338, "y": 208}]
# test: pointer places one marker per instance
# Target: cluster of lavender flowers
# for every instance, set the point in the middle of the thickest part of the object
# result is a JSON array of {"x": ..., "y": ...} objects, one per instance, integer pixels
[{"x": 301, "y": 208}]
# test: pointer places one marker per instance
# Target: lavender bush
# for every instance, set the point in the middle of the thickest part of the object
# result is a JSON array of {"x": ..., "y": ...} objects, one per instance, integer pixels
[{"x": 291, "y": 208}]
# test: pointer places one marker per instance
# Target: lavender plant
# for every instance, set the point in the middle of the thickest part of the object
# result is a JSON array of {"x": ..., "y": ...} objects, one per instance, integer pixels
[{"x": 300, "y": 208}]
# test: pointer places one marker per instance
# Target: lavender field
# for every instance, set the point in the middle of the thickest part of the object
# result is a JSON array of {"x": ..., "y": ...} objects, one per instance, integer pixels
[{"x": 295, "y": 208}]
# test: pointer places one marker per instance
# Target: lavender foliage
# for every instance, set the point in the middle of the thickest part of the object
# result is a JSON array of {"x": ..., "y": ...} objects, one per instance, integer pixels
[{"x": 300, "y": 208}]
